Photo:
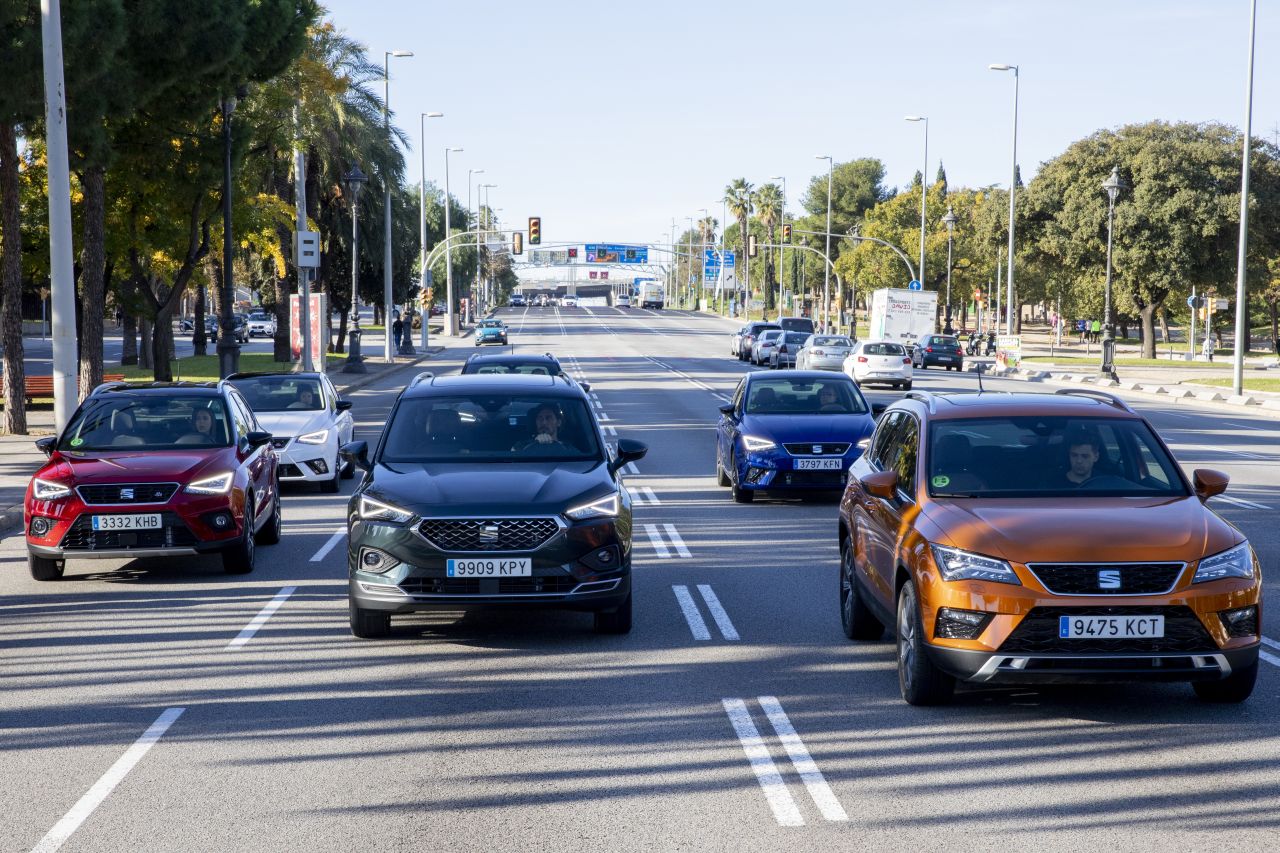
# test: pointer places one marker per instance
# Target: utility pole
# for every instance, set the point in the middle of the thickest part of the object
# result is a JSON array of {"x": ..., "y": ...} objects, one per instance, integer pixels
[{"x": 304, "y": 273}]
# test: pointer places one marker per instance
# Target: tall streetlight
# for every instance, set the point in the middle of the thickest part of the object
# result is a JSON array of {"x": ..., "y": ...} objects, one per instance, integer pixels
[
  {"x": 355, "y": 181},
  {"x": 450, "y": 328},
  {"x": 702, "y": 226},
  {"x": 228, "y": 346},
  {"x": 826, "y": 268},
  {"x": 387, "y": 351},
  {"x": 924, "y": 192},
  {"x": 1113, "y": 186},
  {"x": 782, "y": 220},
  {"x": 480, "y": 224},
  {"x": 950, "y": 220},
  {"x": 1242, "y": 293},
  {"x": 422, "y": 228},
  {"x": 1013, "y": 189},
  {"x": 466, "y": 318}
]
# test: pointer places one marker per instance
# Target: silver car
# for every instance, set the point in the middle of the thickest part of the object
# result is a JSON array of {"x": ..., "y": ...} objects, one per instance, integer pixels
[
  {"x": 764, "y": 344},
  {"x": 824, "y": 352}
]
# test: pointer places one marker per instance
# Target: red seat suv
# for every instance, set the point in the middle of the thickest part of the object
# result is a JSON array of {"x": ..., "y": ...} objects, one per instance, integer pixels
[{"x": 154, "y": 470}]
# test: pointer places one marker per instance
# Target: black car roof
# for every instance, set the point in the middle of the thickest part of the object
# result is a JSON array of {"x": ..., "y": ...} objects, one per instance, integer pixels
[
  {"x": 507, "y": 383},
  {"x": 206, "y": 389},
  {"x": 512, "y": 358},
  {"x": 260, "y": 373}
]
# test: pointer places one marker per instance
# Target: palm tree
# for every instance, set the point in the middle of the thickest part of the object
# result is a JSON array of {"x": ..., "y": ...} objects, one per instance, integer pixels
[
  {"x": 740, "y": 199},
  {"x": 769, "y": 203}
]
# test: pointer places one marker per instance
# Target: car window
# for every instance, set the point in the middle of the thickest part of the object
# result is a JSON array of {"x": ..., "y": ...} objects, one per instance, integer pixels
[
  {"x": 152, "y": 422},
  {"x": 1049, "y": 456},
  {"x": 829, "y": 341},
  {"x": 802, "y": 396},
  {"x": 240, "y": 419},
  {"x": 883, "y": 349},
  {"x": 882, "y": 439},
  {"x": 796, "y": 337},
  {"x": 906, "y": 452},
  {"x": 491, "y": 428},
  {"x": 281, "y": 393},
  {"x": 770, "y": 335}
]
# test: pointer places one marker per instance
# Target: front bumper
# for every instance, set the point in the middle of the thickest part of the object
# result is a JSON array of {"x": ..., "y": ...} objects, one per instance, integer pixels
[
  {"x": 775, "y": 471},
  {"x": 1015, "y": 668},
  {"x": 307, "y": 463},
  {"x": 186, "y": 529}
]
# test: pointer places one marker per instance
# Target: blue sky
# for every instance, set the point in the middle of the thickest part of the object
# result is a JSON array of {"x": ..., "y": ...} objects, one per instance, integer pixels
[{"x": 609, "y": 119}]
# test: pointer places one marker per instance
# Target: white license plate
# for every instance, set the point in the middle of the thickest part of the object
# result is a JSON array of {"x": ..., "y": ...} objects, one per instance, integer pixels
[
  {"x": 819, "y": 464},
  {"x": 520, "y": 567},
  {"x": 944, "y": 358},
  {"x": 148, "y": 521},
  {"x": 1108, "y": 627}
]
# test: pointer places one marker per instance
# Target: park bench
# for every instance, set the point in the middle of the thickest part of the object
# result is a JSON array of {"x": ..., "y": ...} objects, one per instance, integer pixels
[{"x": 42, "y": 386}]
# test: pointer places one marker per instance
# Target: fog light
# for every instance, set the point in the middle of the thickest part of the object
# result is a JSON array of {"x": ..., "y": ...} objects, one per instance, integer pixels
[
  {"x": 603, "y": 559},
  {"x": 954, "y": 624},
  {"x": 1241, "y": 622},
  {"x": 378, "y": 562},
  {"x": 40, "y": 526},
  {"x": 317, "y": 466},
  {"x": 755, "y": 475},
  {"x": 220, "y": 521}
]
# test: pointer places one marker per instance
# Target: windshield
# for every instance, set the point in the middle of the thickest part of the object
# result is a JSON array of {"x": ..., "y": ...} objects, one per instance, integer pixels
[
  {"x": 798, "y": 396},
  {"x": 830, "y": 341},
  {"x": 882, "y": 349},
  {"x": 281, "y": 393},
  {"x": 148, "y": 423},
  {"x": 491, "y": 428},
  {"x": 493, "y": 324},
  {"x": 796, "y": 337},
  {"x": 535, "y": 368},
  {"x": 770, "y": 336},
  {"x": 1041, "y": 456}
]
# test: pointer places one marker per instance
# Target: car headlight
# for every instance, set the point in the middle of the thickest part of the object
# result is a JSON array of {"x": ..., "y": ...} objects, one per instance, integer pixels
[
  {"x": 218, "y": 485},
  {"x": 375, "y": 510},
  {"x": 46, "y": 490},
  {"x": 606, "y": 507},
  {"x": 751, "y": 442},
  {"x": 1235, "y": 562},
  {"x": 320, "y": 436},
  {"x": 957, "y": 565}
]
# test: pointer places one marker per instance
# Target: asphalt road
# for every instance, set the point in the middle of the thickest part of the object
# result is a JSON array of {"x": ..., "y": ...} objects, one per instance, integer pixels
[{"x": 735, "y": 716}]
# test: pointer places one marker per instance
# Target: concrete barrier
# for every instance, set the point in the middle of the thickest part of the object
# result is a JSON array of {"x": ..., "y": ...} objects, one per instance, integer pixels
[
  {"x": 1242, "y": 400},
  {"x": 1210, "y": 396}
]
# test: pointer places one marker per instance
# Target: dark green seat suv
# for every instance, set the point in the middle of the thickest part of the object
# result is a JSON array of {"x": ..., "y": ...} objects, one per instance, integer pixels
[{"x": 489, "y": 490}]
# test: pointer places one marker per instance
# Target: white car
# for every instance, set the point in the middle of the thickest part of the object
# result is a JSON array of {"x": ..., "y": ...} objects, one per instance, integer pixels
[
  {"x": 824, "y": 352},
  {"x": 879, "y": 362},
  {"x": 764, "y": 344},
  {"x": 262, "y": 324},
  {"x": 569, "y": 302},
  {"x": 624, "y": 301},
  {"x": 307, "y": 420}
]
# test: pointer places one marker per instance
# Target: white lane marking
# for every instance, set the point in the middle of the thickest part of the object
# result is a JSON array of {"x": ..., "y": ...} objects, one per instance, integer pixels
[
  {"x": 329, "y": 546},
  {"x": 631, "y": 468},
  {"x": 246, "y": 634},
  {"x": 686, "y": 377},
  {"x": 812, "y": 777},
  {"x": 656, "y": 539},
  {"x": 648, "y": 493},
  {"x": 94, "y": 797},
  {"x": 697, "y": 626},
  {"x": 775, "y": 790},
  {"x": 595, "y": 401},
  {"x": 602, "y": 416},
  {"x": 608, "y": 430},
  {"x": 1246, "y": 426},
  {"x": 1241, "y": 502},
  {"x": 718, "y": 612},
  {"x": 677, "y": 541},
  {"x": 1274, "y": 660}
]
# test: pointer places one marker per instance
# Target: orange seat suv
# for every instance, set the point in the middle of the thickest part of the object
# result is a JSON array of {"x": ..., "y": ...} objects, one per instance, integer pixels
[{"x": 1043, "y": 538}]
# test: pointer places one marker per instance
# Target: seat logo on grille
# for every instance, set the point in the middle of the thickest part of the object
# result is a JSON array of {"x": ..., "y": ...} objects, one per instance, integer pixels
[
  {"x": 126, "y": 494},
  {"x": 1108, "y": 579},
  {"x": 817, "y": 448},
  {"x": 488, "y": 533}
]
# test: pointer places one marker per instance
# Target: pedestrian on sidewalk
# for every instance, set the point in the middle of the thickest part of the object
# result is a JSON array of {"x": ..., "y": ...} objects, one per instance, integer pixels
[
  {"x": 397, "y": 329},
  {"x": 1097, "y": 330}
]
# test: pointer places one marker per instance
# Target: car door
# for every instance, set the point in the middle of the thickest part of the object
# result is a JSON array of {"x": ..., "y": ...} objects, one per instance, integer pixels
[
  {"x": 893, "y": 518},
  {"x": 727, "y": 430},
  {"x": 344, "y": 423},
  {"x": 256, "y": 460}
]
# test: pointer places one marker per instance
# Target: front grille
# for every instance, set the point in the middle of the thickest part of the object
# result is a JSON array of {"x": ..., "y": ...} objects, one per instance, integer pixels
[
  {"x": 280, "y": 443},
  {"x": 173, "y": 534},
  {"x": 288, "y": 469},
  {"x": 837, "y": 448},
  {"x": 441, "y": 586},
  {"x": 495, "y": 534},
  {"x": 527, "y": 586},
  {"x": 1037, "y": 633},
  {"x": 1086, "y": 578},
  {"x": 817, "y": 479},
  {"x": 127, "y": 493}
]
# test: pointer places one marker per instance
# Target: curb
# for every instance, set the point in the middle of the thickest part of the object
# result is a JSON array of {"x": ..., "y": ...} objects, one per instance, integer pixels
[{"x": 1206, "y": 399}]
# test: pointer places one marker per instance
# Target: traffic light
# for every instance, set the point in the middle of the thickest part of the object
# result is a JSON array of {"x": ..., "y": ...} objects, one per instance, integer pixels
[
  {"x": 535, "y": 231},
  {"x": 517, "y": 242},
  {"x": 751, "y": 246},
  {"x": 786, "y": 232}
]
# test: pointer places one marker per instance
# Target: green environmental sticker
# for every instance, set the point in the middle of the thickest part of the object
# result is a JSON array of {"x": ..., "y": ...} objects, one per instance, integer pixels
[
  {"x": 941, "y": 481},
  {"x": 76, "y": 442}
]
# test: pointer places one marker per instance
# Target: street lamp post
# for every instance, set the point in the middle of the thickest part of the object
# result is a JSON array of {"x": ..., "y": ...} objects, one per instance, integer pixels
[
  {"x": 950, "y": 220},
  {"x": 702, "y": 226},
  {"x": 387, "y": 350},
  {"x": 826, "y": 271},
  {"x": 423, "y": 272},
  {"x": 924, "y": 192},
  {"x": 355, "y": 181},
  {"x": 481, "y": 224},
  {"x": 782, "y": 220},
  {"x": 1013, "y": 189},
  {"x": 1242, "y": 292},
  {"x": 1113, "y": 186},
  {"x": 450, "y": 327},
  {"x": 466, "y": 318},
  {"x": 228, "y": 346}
]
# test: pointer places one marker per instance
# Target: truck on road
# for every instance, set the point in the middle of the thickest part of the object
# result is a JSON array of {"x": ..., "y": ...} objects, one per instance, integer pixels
[
  {"x": 651, "y": 295},
  {"x": 903, "y": 315}
]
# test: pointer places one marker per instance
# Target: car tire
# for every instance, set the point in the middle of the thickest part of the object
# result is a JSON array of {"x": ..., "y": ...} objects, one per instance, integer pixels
[
  {"x": 906, "y": 386},
  {"x": 1236, "y": 687},
  {"x": 369, "y": 624},
  {"x": 614, "y": 621},
  {"x": 722, "y": 479},
  {"x": 270, "y": 532},
  {"x": 332, "y": 485},
  {"x": 45, "y": 568},
  {"x": 740, "y": 495},
  {"x": 920, "y": 681},
  {"x": 858, "y": 622},
  {"x": 237, "y": 559}
]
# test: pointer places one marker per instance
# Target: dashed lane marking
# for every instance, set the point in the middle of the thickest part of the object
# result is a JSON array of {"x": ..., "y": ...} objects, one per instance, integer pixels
[
  {"x": 329, "y": 546},
  {"x": 676, "y": 541},
  {"x": 803, "y": 762},
  {"x": 697, "y": 625},
  {"x": 1274, "y": 660},
  {"x": 717, "y": 611},
  {"x": 655, "y": 539},
  {"x": 246, "y": 634},
  {"x": 631, "y": 468},
  {"x": 775, "y": 790},
  {"x": 1240, "y": 502}
]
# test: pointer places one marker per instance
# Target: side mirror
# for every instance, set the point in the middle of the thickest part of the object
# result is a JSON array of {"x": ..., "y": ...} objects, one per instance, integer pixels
[
  {"x": 877, "y": 409},
  {"x": 882, "y": 484},
  {"x": 257, "y": 439},
  {"x": 344, "y": 405},
  {"x": 629, "y": 450},
  {"x": 727, "y": 410},
  {"x": 1208, "y": 483},
  {"x": 586, "y": 386},
  {"x": 47, "y": 444},
  {"x": 356, "y": 452}
]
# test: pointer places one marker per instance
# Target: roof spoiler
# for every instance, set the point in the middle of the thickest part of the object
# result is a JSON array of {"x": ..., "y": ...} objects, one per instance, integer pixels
[{"x": 421, "y": 377}]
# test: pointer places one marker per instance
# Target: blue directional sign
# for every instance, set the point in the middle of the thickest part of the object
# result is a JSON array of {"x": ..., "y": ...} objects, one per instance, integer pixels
[
  {"x": 610, "y": 253},
  {"x": 915, "y": 285},
  {"x": 711, "y": 258}
]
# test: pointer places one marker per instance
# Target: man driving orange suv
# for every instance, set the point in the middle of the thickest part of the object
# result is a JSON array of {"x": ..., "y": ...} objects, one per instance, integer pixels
[{"x": 1042, "y": 538}]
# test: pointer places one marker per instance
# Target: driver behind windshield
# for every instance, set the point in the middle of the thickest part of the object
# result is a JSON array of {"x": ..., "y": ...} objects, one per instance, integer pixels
[
  {"x": 547, "y": 420},
  {"x": 1084, "y": 448}
]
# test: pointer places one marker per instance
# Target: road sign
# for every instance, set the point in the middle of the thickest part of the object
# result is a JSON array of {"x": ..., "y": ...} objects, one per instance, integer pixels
[
  {"x": 610, "y": 253},
  {"x": 307, "y": 249},
  {"x": 915, "y": 285},
  {"x": 1195, "y": 301},
  {"x": 711, "y": 257},
  {"x": 1221, "y": 304}
]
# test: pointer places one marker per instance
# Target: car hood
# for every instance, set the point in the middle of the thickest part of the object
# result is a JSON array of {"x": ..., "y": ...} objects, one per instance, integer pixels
[
  {"x": 297, "y": 422},
  {"x": 143, "y": 466},
  {"x": 1082, "y": 529},
  {"x": 816, "y": 428},
  {"x": 518, "y": 488}
]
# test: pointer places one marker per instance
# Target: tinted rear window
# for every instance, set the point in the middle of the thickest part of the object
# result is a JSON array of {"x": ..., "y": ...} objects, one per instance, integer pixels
[{"x": 883, "y": 349}]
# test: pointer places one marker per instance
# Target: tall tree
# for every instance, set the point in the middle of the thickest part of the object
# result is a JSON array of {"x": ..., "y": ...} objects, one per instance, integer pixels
[
  {"x": 769, "y": 201},
  {"x": 738, "y": 195}
]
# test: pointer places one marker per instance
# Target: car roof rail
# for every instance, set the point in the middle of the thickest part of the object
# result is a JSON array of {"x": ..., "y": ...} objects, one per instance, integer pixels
[
  {"x": 421, "y": 377},
  {"x": 1102, "y": 396},
  {"x": 925, "y": 397},
  {"x": 109, "y": 386}
]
